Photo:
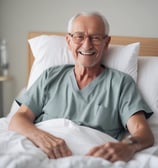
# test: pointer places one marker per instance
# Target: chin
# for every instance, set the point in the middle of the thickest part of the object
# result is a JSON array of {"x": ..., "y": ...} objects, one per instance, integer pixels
[{"x": 90, "y": 65}]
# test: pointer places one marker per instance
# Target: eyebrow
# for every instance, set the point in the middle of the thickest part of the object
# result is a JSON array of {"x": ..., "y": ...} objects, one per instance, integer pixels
[{"x": 89, "y": 34}]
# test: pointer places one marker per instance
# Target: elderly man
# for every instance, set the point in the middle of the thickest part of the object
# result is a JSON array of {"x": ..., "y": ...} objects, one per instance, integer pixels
[{"x": 87, "y": 93}]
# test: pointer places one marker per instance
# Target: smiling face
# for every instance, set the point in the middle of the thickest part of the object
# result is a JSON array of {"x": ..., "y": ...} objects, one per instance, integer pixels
[{"x": 87, "y": 40}]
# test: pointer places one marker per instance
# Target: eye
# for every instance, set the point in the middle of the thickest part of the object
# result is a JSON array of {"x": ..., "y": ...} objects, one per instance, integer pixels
[
  {"x": 96, "y": 38},
  {"x": 79, "y": 36}
]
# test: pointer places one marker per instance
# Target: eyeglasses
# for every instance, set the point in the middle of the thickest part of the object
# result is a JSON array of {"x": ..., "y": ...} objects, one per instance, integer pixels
[{"x": 96, "y": 39}]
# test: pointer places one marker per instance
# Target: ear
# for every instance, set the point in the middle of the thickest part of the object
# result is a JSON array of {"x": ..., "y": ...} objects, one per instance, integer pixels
[
  {"x": 107, "y": 42},
  {"x": 68, "y": 41}
]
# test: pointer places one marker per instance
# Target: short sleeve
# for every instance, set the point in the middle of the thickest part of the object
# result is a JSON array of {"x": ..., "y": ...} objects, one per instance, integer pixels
[
  {"x": 34, "y": 98},
  {"x": 131, "y": 101}
]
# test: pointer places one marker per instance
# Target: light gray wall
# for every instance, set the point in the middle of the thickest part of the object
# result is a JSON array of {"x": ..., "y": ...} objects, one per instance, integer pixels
[{"x": 18, "y": 17}]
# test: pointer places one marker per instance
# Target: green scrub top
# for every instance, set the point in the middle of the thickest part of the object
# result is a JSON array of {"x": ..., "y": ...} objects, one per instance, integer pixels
[{"x": 105, "y": 104}]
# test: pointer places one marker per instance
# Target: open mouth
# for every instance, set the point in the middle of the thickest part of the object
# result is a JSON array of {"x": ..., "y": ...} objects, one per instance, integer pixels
[{"x": 87, "y": 53}]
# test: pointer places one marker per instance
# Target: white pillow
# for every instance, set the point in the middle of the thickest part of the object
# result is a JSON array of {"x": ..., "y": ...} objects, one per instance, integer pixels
[
  {"x": 80, "y": 139},
  {"x": 52, "y": 50},
  {"x": 148, "y": 84}
]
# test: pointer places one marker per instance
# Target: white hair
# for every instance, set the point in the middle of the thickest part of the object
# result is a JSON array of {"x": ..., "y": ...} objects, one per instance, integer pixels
[{"x": 106, "y": 24}]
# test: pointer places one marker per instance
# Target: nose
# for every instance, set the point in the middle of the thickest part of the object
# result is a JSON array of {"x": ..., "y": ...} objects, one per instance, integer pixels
[{"x": 87, "y": 44}]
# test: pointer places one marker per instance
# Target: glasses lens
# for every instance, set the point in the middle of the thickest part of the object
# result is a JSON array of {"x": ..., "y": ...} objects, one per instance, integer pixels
[
  {"x": 79, "y": 38},
  {"x": 96, "y": 39}
]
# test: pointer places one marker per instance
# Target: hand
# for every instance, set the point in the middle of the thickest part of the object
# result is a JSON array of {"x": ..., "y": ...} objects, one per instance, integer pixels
[
  {"x": 113, "y": 151},
  {"x": 53, "y": 146}
]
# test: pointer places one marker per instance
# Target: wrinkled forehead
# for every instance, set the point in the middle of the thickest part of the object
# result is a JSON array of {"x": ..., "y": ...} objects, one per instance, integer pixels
[{"x": 89, "y": 25}]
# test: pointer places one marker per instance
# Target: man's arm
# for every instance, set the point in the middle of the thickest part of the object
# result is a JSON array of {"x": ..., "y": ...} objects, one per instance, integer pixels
[
  {"x": 141, "y": 134},
  {"x": 22, "y": 122},
  {"x": 142, "y": 138}
]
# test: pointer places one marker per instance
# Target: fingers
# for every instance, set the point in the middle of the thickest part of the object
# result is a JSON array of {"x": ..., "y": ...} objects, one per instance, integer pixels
[
  {"x": 98, "y": 152},
  {"x": 59, "y": 149},
  {"x": 57, "y": 153},
  {"x": 65, "y": 151},
  {"x": 53, "y": 146},
  {"x": 103, "y": 151},
  {"x": 93, "y": 151},
  {"x": 60, "y": 152},
  {"x": 112, "y": 152}
]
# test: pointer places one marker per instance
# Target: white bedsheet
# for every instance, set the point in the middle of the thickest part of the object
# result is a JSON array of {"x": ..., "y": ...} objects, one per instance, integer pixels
[{"x": 18, "y": 152}]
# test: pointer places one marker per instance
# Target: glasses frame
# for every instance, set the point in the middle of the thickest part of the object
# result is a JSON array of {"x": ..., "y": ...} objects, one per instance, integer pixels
[{"x": 90, "y": 37}]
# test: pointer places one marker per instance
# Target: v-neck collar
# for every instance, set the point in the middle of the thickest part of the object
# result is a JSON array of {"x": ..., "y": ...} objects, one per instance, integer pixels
[{"x": 89, "y": 87}]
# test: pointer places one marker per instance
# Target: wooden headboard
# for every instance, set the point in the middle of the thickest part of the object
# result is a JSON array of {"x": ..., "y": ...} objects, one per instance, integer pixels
[{"x": 148, "y": 46}]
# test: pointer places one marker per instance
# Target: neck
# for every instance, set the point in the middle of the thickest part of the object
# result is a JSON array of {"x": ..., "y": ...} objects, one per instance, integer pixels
[{"x": 84, "y": 75}]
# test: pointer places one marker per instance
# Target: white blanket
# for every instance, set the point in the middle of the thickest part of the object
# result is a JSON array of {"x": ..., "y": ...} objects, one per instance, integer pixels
[{"x": 18, "y": 152}]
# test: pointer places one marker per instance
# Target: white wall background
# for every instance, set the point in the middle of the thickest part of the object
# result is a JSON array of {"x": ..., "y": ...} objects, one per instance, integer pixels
[{"x": 18, "y": 17}]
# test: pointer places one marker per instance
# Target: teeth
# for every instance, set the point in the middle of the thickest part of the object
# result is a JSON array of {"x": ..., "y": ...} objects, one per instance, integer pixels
[{"x": 87, "y": 53}]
